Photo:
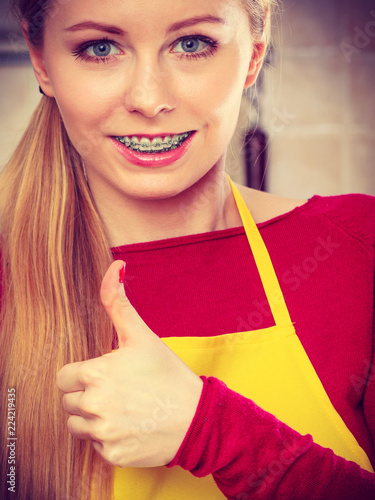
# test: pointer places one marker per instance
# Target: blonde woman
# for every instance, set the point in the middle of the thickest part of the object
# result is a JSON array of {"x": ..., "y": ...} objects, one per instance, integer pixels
[{"x": 209, "y": 341}]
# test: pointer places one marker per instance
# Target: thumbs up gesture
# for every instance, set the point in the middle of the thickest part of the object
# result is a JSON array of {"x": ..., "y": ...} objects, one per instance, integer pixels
[{"x": 135, "y": 404}]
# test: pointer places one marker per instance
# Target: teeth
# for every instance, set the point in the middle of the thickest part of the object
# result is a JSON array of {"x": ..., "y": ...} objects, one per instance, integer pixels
[
  {"x": 145, "y": 145},
  {"x": 156, "y": 145},
  {"x": 133, "y": 142}
]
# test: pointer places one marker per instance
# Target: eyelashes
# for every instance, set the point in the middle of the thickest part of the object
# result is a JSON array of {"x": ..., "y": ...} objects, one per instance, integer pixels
[
  {"x": 209, "y": 50},
  {"x": 98, "y": 49},
  {"x": 105, "y": 50}
]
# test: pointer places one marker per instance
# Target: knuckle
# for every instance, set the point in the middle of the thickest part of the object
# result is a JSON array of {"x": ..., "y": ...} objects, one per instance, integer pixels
[
  {"x": 74, "y": 425},
  {"x": 88, "y": 405},
  {"x": 113, "y": 456},
  {"x": 100, "y": 431},
  {"x": 88, "y": 373},
  {"x": 59, "y": 379}
]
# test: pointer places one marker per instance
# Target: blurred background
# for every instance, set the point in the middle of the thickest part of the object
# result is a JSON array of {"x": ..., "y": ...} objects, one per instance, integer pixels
[{"x": 308, "y": 127}]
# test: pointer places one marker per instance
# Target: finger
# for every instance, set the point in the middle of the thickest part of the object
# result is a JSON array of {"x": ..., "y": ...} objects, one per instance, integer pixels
[
  {"x": 69, "y": 379},
  {"x": 80, "y": 427},
  {"x": 74, "y": 403},
  {"x": 127, "y": 322}
]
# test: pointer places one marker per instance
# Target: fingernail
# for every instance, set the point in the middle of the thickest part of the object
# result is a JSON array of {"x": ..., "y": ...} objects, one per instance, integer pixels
[{"x": 121, "y": 277}]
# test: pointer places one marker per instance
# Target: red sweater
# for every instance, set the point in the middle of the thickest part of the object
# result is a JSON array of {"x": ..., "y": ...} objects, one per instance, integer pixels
[{"x": 207, "y": 284}]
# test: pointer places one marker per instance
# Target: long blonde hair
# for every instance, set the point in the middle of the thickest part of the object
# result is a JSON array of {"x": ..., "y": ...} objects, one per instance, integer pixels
[{"x": 54, "y": 253}]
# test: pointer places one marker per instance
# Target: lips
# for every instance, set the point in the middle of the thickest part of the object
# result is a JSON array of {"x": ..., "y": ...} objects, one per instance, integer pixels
[{"x": 153, "y": 152}]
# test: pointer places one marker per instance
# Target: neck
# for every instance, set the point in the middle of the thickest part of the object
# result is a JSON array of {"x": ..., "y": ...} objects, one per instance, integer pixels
[{"x": 208, "y": 205}]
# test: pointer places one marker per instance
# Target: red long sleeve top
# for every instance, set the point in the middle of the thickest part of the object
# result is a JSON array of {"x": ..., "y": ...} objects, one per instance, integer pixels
[{"x": 205, "y": 284}]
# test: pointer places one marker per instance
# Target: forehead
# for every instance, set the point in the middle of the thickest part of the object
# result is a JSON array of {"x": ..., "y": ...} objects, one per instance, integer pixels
[{"x": 143, "y": 15}]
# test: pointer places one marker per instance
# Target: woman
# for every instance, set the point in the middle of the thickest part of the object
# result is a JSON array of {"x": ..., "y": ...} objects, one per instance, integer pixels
[{"x": 269, "y": 392}]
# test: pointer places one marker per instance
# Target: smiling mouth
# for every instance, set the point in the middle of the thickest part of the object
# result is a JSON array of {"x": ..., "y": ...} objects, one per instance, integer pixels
[{"x": 156, "y": 145}]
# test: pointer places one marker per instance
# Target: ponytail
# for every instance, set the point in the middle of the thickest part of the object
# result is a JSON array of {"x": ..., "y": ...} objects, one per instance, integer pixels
[{"x": 54, "y": 253}]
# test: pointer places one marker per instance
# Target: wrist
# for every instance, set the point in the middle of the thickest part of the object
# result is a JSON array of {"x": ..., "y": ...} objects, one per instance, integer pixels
[{"x": 195, "y": 431}]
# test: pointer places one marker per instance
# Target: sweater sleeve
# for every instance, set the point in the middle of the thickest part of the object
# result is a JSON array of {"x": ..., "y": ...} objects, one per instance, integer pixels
[{"x": 251, "y": 454}]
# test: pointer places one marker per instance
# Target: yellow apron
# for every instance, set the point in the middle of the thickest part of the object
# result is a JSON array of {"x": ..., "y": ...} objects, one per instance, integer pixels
[{"x": 268, "y": 366}]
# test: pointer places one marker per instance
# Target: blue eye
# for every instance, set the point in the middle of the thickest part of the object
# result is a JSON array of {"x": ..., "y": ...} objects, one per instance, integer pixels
[
  {"x": 191, "y": 45},
  {"x": 97, "y": 51},
  {"x": 102, "y": 49}
]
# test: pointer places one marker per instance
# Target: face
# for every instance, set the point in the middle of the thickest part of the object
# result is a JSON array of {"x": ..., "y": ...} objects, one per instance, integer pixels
[{"x": 149, "y": 92}]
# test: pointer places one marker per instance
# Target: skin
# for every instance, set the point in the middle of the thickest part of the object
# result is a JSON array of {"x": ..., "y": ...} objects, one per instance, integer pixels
[
  {"x": 112, "y": 399},
  {"x": 147, "y": 87}
]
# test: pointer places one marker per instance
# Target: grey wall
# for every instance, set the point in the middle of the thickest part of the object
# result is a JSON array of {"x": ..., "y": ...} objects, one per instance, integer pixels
[
  {"x": 319, "y": 100},
  {"x": 19, "y": 90}
]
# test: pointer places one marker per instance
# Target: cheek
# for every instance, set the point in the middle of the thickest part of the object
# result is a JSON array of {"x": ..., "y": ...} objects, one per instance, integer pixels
[
  {"x": 81, "y": 124},
  {"x": 219, "y": 90},
  {"x": 80, "y": 96},
  {"x": 218, "y": 103},
  {"x": 85, "y": 116}
]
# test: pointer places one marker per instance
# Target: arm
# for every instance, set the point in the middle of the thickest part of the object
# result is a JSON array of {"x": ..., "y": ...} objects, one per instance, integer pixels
[
  {"x": 251, "y": 454},
  {"x": 210, "y": 431}
]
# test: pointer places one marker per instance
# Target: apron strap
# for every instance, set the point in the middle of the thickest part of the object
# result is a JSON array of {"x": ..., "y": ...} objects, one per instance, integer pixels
[{"x": 263, "y": 261}]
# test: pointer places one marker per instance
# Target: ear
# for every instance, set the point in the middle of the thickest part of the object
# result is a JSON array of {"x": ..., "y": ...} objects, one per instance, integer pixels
[
  {"x": 36, "y": 56},
  {"x": 256, "y": 62}
]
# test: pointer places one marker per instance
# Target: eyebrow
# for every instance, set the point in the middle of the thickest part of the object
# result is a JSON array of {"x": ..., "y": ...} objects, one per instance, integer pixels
[
  {"x": 194, "y": 20},
  {"x": 114, "y": 30},
  {"x": 90, "y": 25}
]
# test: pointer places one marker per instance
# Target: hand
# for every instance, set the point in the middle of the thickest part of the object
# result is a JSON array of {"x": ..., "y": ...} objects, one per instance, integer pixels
[{"x": 135, "y": 404}]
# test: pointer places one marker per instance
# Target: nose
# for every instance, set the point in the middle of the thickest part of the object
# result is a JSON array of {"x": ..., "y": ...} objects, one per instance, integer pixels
[{"x": 149, "y": 92}]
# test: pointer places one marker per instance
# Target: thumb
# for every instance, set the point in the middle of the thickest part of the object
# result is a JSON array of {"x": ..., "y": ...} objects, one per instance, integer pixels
[{"x": 127, "y": 322}]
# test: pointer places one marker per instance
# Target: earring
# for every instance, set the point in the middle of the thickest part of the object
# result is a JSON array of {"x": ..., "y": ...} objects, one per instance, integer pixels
[{"x": 41, "y": 90}]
